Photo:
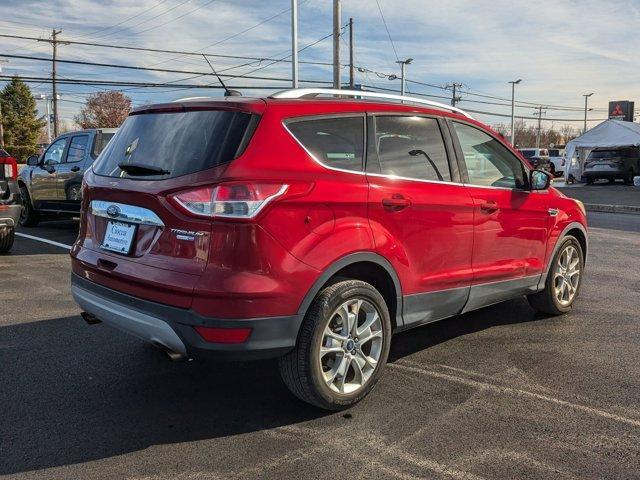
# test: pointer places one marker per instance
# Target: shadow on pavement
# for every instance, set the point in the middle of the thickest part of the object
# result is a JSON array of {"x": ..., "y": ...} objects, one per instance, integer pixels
[{"x": 73, "y": 393}]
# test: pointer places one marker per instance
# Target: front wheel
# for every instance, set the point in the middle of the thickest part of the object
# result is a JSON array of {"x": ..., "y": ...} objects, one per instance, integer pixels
[
  {"x": 342, "y": 346},
  {"x": 28, "y": 216},
  {"x": 563, "y": 281}
]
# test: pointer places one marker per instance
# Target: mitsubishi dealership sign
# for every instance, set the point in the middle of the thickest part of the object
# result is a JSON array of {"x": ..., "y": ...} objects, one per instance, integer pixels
[{"x": 622, "y": 110}]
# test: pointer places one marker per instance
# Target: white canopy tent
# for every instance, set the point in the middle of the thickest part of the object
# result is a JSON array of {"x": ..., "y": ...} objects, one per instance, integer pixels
[{"x": 608, "y": 134}]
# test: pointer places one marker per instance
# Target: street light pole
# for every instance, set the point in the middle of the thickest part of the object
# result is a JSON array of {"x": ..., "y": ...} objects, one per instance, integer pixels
[
  {"x": 586, "y": 100},
  {"x": 513, "y": 110},
  {"x": 403, "y": 65}
]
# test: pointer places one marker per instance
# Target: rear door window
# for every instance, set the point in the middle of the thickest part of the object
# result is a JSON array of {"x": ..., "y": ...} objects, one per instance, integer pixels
[
  {"x": 335, "y": 142},
  {"x": 77, "y": 148},
  {"x": 174, "y": 143},
  {"x": 411, "y": 147}
]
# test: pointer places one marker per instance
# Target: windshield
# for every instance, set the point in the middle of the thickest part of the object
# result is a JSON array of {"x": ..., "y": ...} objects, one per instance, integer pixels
[{"x": 174, "y": 143}]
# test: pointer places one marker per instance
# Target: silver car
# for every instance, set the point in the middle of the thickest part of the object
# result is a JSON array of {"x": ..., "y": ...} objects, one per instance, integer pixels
[
  {"x": 51, "y": 183},
  {"x": 612, "y": 164}
]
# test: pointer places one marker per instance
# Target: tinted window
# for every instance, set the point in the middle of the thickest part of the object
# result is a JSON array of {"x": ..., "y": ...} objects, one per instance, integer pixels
[
  {"x": 102, "y": 139},
  {"x": 554, "y": 152},
  {"x": 488, "y": 162},
  {"x": 411, "y": 147},
  {"x": 176, "y": 142},
  {"x": 528, "y": 153},
  {"x": 53, "y": 155},
  {"x": 77, "y": 148},
  {"x": 336, "y": 142}
]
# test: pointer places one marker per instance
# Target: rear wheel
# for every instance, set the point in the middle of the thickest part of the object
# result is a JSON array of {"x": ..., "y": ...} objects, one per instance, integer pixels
[
  {"x": 6, "y": 239},
  {"x": 590, "y": 181},
  {"x": 28, "y": 216},
  {"x": 629, "y": 178},
  {"x": 342, "y": 346},
  {"x": 564, "y": 280}
]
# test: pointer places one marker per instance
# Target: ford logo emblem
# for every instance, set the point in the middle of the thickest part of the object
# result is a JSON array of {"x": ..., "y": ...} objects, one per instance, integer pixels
[{"x": 113, "y": 210}]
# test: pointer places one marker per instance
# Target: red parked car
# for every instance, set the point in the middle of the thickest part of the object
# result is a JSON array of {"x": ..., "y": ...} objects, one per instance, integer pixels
[{"x": 311, "y": 228}]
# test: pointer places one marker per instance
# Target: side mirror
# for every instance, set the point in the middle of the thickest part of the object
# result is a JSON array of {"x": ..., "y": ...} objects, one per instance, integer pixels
[
  {"x": 33, "y": 160},
  {"x": 539, "y": 180}
]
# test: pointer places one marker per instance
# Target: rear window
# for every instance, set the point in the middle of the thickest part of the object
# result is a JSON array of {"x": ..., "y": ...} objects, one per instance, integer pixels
[
  {"x": 336, "y": 142},
  {"x": 554, "y": 152},
  {"x": 528, "y": 153},
  {"x": 177, "y": 143},
  {"x": 605, "y": 154},
  {"x": 102, "y": 139}
]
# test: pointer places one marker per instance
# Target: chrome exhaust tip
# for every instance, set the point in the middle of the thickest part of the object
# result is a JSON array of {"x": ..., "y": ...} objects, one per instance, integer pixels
[{"x": 170, "y": 354}]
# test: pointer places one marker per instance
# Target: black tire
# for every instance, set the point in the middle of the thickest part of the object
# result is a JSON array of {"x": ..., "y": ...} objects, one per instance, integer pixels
[
  {"x": 590, "y": 181},
  {"x": 545, "y": 301},
  {"x": 301, "y": 370},
  {"x": 6, "y": 240},
  {"x": 28, "y": 217},
  {"x": 629, "y": 179}
]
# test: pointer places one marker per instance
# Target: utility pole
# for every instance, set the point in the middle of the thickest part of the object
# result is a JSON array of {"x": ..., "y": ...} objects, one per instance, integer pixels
[
  {"x": 539, "y": 113},
  {"x": 586, "y": 102},
  {"x": 294, "y": 43},
  {"x": 54, "y": 43},
  {"x": 454, "y": 99},
  {"x": 513, "y": 110},
  {"x": 351, "y": 54},
  {"x": 47, "y": 99},
  {"x": 336, "y": 42},
  {"x": 1, "y": 127}
]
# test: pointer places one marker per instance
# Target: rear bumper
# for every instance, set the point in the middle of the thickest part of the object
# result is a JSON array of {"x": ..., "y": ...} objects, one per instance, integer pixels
[
  {"x": 10, "y": 206},
  {"x": 9, "y": 215},
  {"x": 172, "y": 327},
  {"x": 604, "y": 173}
]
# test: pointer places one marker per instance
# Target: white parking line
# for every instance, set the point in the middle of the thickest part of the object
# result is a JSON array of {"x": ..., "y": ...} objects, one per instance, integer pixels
[
  {"x": 516, "y": 391},
  {"x": 43, "y": 240}
]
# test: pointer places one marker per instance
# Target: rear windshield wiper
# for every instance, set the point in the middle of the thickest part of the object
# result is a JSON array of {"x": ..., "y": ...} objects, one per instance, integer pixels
[{"x": 142, "y": 169}]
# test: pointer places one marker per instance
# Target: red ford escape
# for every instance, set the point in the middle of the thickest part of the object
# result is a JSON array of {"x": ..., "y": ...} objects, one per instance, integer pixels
[{"x": 311, "y": 228}]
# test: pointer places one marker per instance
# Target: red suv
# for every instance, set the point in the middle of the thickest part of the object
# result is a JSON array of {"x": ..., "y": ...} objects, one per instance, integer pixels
[{"x": 310, "y": 228}]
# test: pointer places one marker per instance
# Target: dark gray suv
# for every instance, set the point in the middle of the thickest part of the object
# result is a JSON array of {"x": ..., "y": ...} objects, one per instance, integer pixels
[
  {"x": 51, "y": 182},
  {"x": 612, "y": 164}
]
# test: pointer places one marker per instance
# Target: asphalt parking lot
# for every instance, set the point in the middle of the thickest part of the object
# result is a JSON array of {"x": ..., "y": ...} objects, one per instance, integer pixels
[{"x": 499, "y": 393}]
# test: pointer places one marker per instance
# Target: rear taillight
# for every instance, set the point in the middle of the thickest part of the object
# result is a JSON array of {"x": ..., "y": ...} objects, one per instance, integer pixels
[
  {"x": 10, "y": 167},
  {"x": 237, "y": 200}
]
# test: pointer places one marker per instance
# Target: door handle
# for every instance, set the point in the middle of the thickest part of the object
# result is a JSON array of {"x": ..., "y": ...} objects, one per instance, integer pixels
[
  {"x": 75, "y": 169},
  {"x": 396, "y": 203},
  {"x": 489, "y": 206}
]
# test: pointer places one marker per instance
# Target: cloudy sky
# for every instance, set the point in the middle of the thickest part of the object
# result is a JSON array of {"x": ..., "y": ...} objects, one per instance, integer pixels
[{"x": 561, "y": 49}]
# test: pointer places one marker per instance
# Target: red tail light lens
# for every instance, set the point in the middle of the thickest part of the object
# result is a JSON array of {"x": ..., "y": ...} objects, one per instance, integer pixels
[
  {"x": 228, "y": 200},
  {"x": 223, "y": 335},
  {"x": 10, "y": 167}
]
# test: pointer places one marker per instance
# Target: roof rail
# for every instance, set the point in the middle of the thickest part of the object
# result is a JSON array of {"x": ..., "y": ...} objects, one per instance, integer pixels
[{"x": 314, "y": 92}]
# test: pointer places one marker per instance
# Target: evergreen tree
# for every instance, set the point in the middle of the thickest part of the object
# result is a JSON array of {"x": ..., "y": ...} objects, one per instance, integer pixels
[{"x": 19, "y": 118}]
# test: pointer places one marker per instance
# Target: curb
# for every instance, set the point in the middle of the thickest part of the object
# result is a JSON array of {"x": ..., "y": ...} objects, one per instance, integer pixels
[{"x": 595, "y": 207}]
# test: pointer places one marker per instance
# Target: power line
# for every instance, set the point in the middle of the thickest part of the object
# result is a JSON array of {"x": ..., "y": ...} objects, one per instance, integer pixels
[
  {"x": 144, "y": 21},
  {"x": 177, "y": 18},
  {"x": 123, "y": 21},
  {"x": 165, "y": 70},
  {"x": 387, "y": 29},
  {"x": 157, "y": 50}
]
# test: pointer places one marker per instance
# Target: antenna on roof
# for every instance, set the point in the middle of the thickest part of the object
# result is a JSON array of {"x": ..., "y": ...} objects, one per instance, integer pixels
[{"x": 227, "y": 91}]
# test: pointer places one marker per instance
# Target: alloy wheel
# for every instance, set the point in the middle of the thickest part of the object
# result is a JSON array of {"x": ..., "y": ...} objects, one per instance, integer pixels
[
  {"x": 352, "y": 344},
  {"x": 567, "y": 276}
]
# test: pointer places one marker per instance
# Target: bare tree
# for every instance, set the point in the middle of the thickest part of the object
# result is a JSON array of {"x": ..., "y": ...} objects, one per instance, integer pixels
[{"x": 104, "y": 110}]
